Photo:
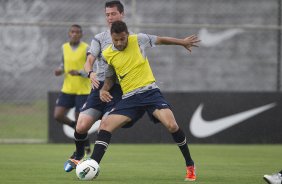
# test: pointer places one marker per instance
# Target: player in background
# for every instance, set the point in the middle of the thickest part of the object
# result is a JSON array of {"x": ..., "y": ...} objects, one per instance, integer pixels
[
  {"x": 274, "y": 178},
  {"x": 94, "y": 108},
  {"x": 127, "y": 60},
  {"x": 76, "y": 86}
]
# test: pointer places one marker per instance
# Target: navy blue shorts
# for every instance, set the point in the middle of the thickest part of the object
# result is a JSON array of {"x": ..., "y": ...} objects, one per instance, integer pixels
[
  {"x": 135, "y": 106},
  {"x": 94, "y": 101},
  {"x": 70, "y": 101}
]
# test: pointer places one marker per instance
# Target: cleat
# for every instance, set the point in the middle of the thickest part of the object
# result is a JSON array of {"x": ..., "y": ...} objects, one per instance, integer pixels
[
  {"x": 70, "y": 164},
  {"x": 273, "y": 179},
  {"x": 190, "y": 173}
]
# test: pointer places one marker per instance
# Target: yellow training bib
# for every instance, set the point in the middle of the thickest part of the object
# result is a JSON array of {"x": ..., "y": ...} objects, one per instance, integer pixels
[
  {"x": 132, "y": 69},
  {"x": 75, "y": 60}
]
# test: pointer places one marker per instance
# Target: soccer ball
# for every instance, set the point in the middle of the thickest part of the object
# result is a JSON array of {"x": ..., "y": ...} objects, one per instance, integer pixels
[{"x": 87, "y": 169}]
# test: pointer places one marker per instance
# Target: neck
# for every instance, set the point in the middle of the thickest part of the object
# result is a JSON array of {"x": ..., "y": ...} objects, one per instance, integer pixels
[{"x": 74, "y": 43}]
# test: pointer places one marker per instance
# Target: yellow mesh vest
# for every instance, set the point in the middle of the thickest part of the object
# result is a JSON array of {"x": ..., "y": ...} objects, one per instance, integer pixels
[
  {"x": 75, "y": 60},
  {"x": 132, "y": 69}
]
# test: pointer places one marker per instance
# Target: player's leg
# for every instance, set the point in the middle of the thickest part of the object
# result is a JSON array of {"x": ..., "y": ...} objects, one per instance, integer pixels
[
  {"x": 116, "y": 92},
  {"x": 125, "y": 113},
  {"x": 108, "y": 125},
  {"x": 166, "y": 117},
  {"x": 159, "y": 109},
  {"x": 86, "y": 142},
  {"x": 63, "y": 104},
  {"x": 85, "y": 121},
  {"x": 80, "y": 101},
  {"x": 60, "y": 116},
  {"x": 90, "y": 113}
]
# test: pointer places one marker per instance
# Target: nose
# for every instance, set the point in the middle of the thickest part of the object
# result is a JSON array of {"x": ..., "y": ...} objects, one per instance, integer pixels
[
  {"x": 75, "y": 34},
  {"x": 119, "y": 43},
  {"x": 110, "y": 18}
]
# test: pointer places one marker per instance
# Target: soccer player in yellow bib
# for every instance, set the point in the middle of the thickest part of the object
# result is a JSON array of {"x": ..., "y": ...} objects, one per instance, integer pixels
[
  {"x": 76, "y": 86},
  {"x": 126, "y": 56}
]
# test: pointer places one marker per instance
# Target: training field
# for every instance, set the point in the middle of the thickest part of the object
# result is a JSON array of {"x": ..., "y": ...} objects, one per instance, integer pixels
[{"x": 141, "y": 163}]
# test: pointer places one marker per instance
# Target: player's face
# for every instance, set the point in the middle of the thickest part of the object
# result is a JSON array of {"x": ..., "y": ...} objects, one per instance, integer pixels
[
  {"x": 120, "y": 40},
  {"x": 112, "y": 15},
  {"x": 75, "y": 35}
]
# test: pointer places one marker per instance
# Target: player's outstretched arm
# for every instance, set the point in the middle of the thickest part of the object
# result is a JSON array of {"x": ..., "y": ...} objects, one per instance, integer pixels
[{"x": 188, "y": 42}]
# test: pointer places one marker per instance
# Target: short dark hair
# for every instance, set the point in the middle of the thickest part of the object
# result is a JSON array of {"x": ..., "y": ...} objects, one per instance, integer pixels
[
  {"x": 77, "y": 26},
  {"x": 118, "y": 27},
  {"x": 117, "y": 4}
]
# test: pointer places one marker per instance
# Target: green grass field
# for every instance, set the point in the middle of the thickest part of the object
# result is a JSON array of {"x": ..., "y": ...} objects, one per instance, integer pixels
[
  {"x": 24, "y": 121},
  {"x": 148, "y": 163},
  {"x": 124, "y": 164}
]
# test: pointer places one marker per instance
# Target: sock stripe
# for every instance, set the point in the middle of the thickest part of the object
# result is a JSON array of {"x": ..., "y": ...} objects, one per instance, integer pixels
[
  {"x": 102, "y": 143},
  {"x": 81, "y": 139},
  {"x": 182, "y": 143}
]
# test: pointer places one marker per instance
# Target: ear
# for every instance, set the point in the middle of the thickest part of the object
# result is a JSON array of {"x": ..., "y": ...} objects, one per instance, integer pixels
[{"x": 122, "y": 15}]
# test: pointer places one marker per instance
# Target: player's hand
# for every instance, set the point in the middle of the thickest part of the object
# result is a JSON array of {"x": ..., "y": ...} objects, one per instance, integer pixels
[
  {"x": 94, "y": 82},
  {"x": 74, "y": 72},
  {"x": 105, "y": 96},
  {"x": 58, "y": 71},
  {"x": 191, "y": 41}
]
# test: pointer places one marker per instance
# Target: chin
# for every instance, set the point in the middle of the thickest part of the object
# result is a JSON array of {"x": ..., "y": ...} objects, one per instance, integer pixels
[{"x": 120, "y": 49}]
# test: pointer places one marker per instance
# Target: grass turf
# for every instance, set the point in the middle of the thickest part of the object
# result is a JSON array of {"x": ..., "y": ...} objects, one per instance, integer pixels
[
  {"x": 141, "y": 163},
  {"x": 17, "y": 121}
]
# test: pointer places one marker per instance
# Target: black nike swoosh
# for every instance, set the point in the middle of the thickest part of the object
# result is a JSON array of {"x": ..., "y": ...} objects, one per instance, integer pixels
[
  {"x": 92, "y": 167},
  {"x": 122, "y": 76}
]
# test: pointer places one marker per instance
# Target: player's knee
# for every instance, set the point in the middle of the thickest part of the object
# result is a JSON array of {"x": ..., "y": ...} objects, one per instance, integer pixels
[
  {"x": 172, "y": 127},
  {"x": 104, "y": 124},
  {"x": 82, "y": 127},
  {"x": 58, "y": 117}
]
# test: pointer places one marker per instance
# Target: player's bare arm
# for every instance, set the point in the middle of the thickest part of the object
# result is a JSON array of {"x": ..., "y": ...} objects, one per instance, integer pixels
[
  {"x": 105, "y": 95},
  {"x": 88, "y": 69},
  {"x": 188, "y": 42},
  {"x": 74, "y": 72}
]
